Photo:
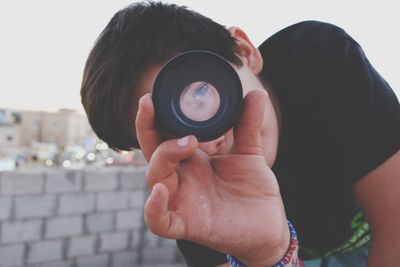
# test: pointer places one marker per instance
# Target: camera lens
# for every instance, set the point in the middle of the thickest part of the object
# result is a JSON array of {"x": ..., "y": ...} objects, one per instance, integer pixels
[
  {"x": 199, "y": 93},
  {"x": 199, "y": 101}
]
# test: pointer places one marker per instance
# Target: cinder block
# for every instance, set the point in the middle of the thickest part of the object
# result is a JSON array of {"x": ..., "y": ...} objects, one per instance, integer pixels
[
  {"x": 99, "y": 222},
  {"x": 130, "y": 219},
  {"x": 20, "y": 231},
  {"x": 54, "y": 264},
  {"x": 113, "y": 241},
  {"x": 45, "y": 251},
  {"x": 93, "y": 261},
  {"x": 104, "y": 179},
  {"x": 5, "y": 207},
  {"x": 151, "y": 240},
  {"x": 83, "y": 245},
  {"x": 136, "y": 236},
  {"x": 34, "y": 206},
  {"x": 125, "y": 259},
  {"x": 163, "y": 265},
  {"x": 138, "y": 198},
  {"x": 167, "y": 242},
  {"x": 133, "y": 179},
  {"x": 112, "y": 200},
  {"x": 62, "y": 181},
  {"x": 76, "y": 203},
  {"x": 64, "y": 226},
  {"x": 12, "y": 255},
  {"x": 21, "y": 182},
  {"x": 159, "y": 254}
]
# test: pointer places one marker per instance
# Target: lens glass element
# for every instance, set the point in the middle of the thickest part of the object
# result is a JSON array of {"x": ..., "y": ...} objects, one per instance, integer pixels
[{"x": 199, "y": 101}]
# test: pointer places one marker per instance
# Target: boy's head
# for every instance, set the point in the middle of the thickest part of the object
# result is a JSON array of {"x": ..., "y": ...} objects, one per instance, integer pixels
[{"x": 138, "y": 37}]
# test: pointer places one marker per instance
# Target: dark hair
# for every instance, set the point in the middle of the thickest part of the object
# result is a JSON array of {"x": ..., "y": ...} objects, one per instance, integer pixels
[{"x": 138, "y": 36}]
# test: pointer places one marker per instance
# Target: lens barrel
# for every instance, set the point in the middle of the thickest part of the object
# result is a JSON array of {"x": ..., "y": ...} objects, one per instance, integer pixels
[{"x": 197, "y": 92}]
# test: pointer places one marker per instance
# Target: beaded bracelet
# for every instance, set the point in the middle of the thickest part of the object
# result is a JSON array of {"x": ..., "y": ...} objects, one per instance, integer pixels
[{"x": 289, "y": 258}]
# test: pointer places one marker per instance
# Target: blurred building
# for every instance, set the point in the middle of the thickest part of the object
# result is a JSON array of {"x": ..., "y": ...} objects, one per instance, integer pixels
[
  {"x": 64, "y": 128},
  {"x": 63, "y": 138},
  {"x": 10, "y": 135},
  {"x": 39, "y": 136},
  {"x": 10, "y": 131},
  {"x": 10, "y": 139}
]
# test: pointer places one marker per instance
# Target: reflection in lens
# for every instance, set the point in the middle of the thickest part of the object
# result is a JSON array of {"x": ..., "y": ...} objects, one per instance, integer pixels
[{"x": 199, "y": 101}]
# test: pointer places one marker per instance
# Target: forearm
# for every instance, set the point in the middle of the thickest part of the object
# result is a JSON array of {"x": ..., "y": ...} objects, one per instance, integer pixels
[{"x": 384, "y": 252}]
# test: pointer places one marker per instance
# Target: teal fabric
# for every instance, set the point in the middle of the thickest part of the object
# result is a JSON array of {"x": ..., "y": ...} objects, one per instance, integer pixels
[{"x": 354, "y": 258}]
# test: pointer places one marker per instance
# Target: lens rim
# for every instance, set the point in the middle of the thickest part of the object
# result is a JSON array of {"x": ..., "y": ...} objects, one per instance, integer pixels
[{"x": 184, "y": 69}]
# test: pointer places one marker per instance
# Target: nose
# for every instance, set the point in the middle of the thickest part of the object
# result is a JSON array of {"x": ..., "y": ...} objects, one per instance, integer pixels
[{"x": 212, "y": 147}]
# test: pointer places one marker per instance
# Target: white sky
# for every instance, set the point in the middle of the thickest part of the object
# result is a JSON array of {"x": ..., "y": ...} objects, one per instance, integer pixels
[{"x": 44, "y": 44}]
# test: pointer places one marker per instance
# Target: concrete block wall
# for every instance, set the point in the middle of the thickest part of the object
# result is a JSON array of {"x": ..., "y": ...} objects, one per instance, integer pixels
[{"x": 78, "y": 218}]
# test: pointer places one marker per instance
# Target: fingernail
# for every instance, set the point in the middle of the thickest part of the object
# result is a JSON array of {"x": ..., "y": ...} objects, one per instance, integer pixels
[{"x": 184, "y": 141}]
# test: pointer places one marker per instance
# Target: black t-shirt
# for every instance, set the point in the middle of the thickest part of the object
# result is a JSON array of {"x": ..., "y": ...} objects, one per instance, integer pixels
[{"x": 340, "y": 120}]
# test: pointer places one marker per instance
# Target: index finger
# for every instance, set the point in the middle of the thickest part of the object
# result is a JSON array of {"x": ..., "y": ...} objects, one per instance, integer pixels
[{"x": 146, "y": 129}]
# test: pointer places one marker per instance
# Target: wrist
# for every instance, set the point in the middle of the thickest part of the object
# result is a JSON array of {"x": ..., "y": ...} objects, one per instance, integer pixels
[
  {"x": 273, "y": 251},
  {"x": 271, "y": 255},
  {"x": 283, "y": 254}
]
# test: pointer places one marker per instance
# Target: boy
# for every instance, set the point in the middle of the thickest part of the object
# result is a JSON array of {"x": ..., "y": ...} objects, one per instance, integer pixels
[{"x": 317, "y": 142}]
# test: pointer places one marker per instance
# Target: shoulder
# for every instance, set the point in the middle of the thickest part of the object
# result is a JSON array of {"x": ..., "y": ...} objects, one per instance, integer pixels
[
  {"x": 309, "y": 36},
  {"x": 309, "y": 30}
]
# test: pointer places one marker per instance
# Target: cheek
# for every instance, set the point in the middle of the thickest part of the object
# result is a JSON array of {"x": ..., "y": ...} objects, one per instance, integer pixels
[
  {"x": 228, "y": 142},
  {"x": 246, "y": 90},
  {"x": 249, "y": 80},
  {"x": 251, "y": 87}
]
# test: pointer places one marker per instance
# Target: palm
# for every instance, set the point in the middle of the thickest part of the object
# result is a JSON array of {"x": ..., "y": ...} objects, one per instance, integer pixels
[{"x": 219, "y": 191}]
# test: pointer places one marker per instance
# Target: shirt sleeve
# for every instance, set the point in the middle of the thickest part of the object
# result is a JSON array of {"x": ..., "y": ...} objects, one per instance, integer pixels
[
  {"x": 321, "y": 64},
  {"x": 365, "y": 111}
]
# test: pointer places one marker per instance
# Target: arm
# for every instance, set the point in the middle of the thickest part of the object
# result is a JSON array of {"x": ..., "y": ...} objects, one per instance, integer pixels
[{"x": 378, "y": 194}]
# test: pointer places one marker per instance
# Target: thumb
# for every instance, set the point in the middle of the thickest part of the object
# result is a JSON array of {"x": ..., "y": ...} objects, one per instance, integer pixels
[{"x": 247, "y": 133}]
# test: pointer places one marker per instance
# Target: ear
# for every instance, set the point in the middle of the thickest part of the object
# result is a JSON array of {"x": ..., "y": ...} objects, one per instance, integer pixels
[{"x": 249, "y": 54}]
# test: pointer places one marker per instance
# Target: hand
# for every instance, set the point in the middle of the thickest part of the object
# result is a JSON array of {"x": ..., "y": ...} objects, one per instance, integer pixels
[{"x": 228, "y": 202}]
